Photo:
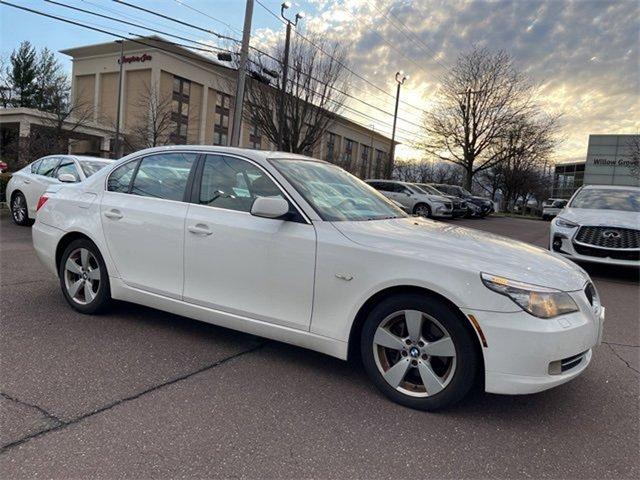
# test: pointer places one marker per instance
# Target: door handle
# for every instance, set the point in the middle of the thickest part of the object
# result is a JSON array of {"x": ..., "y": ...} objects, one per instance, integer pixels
[
  {"x": 26, "y": 180},
  {"x": 199, "y": 229},
  {"x": 113, "y": 214}
]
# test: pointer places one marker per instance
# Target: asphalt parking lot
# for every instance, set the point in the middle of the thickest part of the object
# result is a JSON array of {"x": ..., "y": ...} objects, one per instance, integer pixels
[{"x": 141, "y": 393}]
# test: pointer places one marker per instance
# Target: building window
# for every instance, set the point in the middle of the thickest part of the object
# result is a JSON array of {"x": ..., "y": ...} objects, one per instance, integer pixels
[
  {"x": 331, "y": 147},
  {"x": 180, "y": 110},
  {"x": 255, "y": 137},
  {"x": 221, "y": 120},
  {"x": 364, "y": 161},
  {"x": 348, "y": 153},
  {"x": 379, "y": 163}
]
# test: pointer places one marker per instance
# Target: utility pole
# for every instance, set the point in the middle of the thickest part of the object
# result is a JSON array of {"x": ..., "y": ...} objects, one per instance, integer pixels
[
  {"x": 116, "y": 143},
  {"x": 369, "y": 172},
  {"x": 282, "y": 123},
  {"x": 400, "y": 79},
  {"x": 242, "y": 74}
]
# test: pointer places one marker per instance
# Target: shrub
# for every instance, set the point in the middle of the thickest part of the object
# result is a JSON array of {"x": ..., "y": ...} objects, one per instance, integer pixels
[{"x": 4, "y": 179}]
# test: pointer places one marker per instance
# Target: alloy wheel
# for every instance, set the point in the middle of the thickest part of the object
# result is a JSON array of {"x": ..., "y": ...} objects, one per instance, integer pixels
[
  {"x": 19, "y": 208},
  {"x": 82, "y": 276},
  {"x": 422, "y": 211},
  {"x": 414, "y": 353}
]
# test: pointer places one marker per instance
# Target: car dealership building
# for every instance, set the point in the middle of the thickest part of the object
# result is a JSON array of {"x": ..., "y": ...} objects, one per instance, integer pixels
[{"x": 609, "y": 162}]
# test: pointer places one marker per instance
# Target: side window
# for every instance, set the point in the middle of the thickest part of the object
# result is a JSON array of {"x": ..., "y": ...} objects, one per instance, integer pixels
[
  {"x": 67, "y": 166},
  {"x": 383, "y": 187},
  {"x": 48, "y": 166},
  {"x": 163, "y": 176},
  {"x": 233, "y": 184},
  {"x": 34, "y": 166},
  {"x": 120, "y": 178}
]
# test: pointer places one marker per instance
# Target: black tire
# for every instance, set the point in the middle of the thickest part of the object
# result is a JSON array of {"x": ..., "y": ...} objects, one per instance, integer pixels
[
  {"x": 422, "y": 206},
  {"x": 102, "y": 294},
  {"x": 20, "y": 210},
  {"x": 464, "y": 373}
]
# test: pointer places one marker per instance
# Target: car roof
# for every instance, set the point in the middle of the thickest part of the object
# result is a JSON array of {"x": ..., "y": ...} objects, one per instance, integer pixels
[
  {"x": 92, "y": 159},
  {"x": 260, "y": 155}
]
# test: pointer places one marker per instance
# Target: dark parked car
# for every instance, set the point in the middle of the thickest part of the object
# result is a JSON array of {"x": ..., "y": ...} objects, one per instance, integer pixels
[{"x": 485, "y": 205}]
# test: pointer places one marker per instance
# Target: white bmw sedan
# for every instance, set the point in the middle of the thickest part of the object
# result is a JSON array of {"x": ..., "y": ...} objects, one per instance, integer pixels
[
  {"x": 600, "y": 224},
  {"x": 27, "y": 185},
  {"x": 297, "y": 250}
]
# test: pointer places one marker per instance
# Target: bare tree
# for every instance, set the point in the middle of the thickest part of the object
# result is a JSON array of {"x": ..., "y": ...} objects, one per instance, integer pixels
[
  {"x": 524, "y": 152},
  {"x": 311, "y": 97},
  {"x": 480, "y": 97},
  {"x": 154, "y": 124}
]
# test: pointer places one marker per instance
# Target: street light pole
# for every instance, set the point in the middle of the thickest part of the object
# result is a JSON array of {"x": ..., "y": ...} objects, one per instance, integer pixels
[
  {"x": 242, "y": 69},
  {"x": 116, "y": 143},
  {"x": 400, "y": 79},
  {"x": 285, "y": 71}
]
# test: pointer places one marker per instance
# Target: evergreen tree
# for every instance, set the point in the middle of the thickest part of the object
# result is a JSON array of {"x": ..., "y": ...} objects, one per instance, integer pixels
[
  {"x": 22, "y": 75},
  {"x": 49, "y": 79}
]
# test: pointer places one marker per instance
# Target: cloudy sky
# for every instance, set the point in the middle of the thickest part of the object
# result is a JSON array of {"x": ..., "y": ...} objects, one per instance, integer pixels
[{"x": 582, "y": 54}]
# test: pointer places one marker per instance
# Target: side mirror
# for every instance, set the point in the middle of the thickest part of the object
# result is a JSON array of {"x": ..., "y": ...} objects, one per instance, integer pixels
[
  {"x": 269, "y": 207},
  {"x": 67, "y": 178}
]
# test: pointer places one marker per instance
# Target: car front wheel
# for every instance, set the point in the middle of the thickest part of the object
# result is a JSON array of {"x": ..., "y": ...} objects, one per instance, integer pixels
[
  {"x": 422, "y": 210},
  {"x": 83, "y": 277},
  {"x": 417, "y": 352},
  {"x": 19, "y": 212}
]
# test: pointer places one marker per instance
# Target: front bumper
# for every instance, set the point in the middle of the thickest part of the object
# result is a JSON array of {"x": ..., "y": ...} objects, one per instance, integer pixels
[
  {"x": 442, "y": 211},
  {"x": 524, "y": 353},
  {"x": 561, "y": 240}
]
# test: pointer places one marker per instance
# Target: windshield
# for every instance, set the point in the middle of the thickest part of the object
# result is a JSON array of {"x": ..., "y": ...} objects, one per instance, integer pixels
[
  {"x": 89, "y": 167},
  {"x": 335, "y": 194},
  {"x": 429, "y": 189},
  {"x": 605, "y": 199}
]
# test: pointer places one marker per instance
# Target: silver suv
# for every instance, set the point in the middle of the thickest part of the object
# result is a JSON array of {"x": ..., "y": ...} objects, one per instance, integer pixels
[{"x": 413, "y": 199}]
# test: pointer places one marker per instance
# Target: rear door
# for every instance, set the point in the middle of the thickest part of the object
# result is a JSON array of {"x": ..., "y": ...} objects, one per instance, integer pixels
[{"x": 143, "y": 213}]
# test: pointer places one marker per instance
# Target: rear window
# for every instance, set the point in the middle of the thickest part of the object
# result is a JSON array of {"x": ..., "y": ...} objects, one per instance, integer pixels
[{"x": 89, "y": 167}]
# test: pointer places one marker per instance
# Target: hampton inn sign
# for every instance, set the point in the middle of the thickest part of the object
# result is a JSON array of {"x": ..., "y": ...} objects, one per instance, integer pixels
[{"x": 136, "y": 58}]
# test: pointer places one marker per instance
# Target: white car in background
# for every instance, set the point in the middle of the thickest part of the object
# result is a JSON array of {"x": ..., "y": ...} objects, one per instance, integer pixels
[
  {"x": 414, "y": 199},
  {"x": 552, "y": 207},
  {"x": 600, "y": 224},
  {"x": 300, "y": 251},
  {"x": 27, "y": 185}
]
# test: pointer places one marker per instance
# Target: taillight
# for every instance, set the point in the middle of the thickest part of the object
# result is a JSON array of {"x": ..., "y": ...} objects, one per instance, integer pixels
[{"x": 41, "y": 201}]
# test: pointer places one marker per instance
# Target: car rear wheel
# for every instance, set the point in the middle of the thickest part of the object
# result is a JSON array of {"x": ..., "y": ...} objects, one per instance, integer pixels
[
  {"x": 19, "y": 211},
  {"x": 422, "y": 210},
  {"x": 83, "y": 277},
  {"x": 417, "y": 352}
]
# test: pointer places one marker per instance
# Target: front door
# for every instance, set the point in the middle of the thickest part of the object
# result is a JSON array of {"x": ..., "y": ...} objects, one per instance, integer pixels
[
  {"x": 254, "y": 267},
  {"x": 143, "y": 213},
  {"x": 37, "y": 184}
]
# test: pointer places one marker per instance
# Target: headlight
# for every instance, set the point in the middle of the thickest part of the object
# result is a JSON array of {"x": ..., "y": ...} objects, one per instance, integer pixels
[
  {"x": 561, "y": 222},
  {"x": 541, "y": 302}
]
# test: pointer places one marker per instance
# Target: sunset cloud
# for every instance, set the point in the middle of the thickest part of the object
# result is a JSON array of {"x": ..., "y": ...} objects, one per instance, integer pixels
[{"x": 583, "y": 55}]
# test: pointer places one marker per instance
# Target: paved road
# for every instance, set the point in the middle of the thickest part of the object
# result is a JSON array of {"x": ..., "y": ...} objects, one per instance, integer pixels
[{"x": 141, "y": 393}]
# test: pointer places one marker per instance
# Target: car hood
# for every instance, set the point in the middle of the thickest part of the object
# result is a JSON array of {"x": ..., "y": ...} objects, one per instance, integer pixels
[
  {"x": 435, "y": 198},
  {"x": 467, "y": 249},
  {"x": 599, "y": 217}
]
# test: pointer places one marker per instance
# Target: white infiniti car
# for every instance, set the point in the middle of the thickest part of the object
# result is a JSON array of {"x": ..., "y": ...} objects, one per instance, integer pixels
[
  {"x": 600, "y": 224},
  {"x": 27, "y": 185},
  {"x": 298, "y": 250}
]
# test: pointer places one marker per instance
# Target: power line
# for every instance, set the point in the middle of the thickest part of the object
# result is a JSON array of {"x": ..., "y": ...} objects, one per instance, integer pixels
[
  {"x": 107, "y": 17},
  {"x": 386, "y": 14},
  {"x": 206, "y": 30},
  {"x": 190, "y": 7},
  {"x": 342, "y": 64}
]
